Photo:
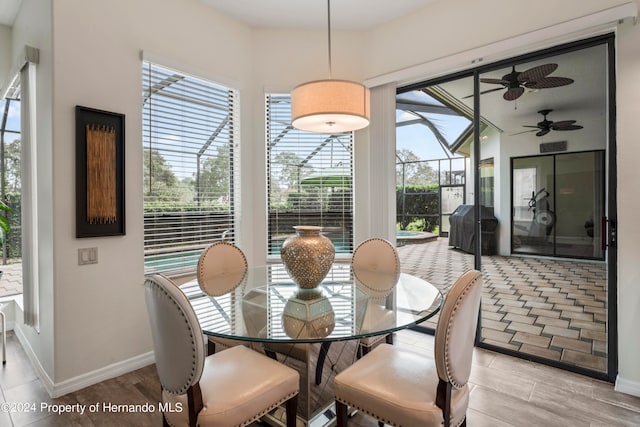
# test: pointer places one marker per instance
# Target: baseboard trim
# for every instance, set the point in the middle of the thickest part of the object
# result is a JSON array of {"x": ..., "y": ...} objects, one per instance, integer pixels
[
  {"x": 102, "y": 374},
  {"x": 85, "y": 380},
  {"x": 627, "y": 386},
  {"x": 35, "y": 362}
]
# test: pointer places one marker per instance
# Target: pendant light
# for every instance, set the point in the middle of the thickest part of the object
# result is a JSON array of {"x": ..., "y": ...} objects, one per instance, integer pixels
[{"x": 330, "y": 106}]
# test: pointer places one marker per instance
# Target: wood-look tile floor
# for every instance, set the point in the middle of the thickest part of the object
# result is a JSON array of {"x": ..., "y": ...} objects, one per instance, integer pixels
[{"x": 505, "y": 391}]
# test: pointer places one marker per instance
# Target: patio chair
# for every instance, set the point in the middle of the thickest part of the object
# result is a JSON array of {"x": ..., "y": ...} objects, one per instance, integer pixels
[
  {"x": 234, "y": 387},
  {"x": 404, "y": 387}
]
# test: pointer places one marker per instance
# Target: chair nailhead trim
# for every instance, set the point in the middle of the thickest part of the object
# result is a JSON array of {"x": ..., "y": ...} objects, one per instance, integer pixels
[
  {"x": 447, "y": 363},
  {"x": 381, "y": 418},
  {"x": 185, "y": 387},
  {"x": 269, "y": 409}
]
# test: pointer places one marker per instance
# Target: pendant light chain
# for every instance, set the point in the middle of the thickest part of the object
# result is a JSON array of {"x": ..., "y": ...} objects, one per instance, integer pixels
[{"x": 329, "y": 35}]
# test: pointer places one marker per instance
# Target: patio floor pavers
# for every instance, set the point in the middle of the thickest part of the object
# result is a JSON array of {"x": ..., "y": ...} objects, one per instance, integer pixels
[{"x": 553, "y": 308}]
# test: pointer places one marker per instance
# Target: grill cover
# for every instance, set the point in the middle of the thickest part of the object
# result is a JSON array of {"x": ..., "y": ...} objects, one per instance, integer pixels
[{"x": 462, "y": 234}]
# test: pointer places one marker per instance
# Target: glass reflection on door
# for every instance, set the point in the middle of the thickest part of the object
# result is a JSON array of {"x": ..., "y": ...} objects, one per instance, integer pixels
[
  {"x": 580, "y": 204},
  {"x": 533, "y": 210},
  {"x": 558, "y": 203}
]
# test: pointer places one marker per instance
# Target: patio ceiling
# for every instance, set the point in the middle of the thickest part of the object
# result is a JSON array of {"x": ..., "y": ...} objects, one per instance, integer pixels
[{"x": 583, "y": 101}]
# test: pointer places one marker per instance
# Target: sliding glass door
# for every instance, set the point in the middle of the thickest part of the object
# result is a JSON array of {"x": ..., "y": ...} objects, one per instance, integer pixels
[{"x": 539, "y": 208}]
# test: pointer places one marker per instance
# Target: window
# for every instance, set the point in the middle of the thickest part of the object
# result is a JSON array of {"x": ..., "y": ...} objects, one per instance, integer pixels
[
  {"x": 10, "y": 188},
  {"x": 309, "y": 179},
  {"x": 487, "y": 182},
  {"x": 189, "y": 141}
]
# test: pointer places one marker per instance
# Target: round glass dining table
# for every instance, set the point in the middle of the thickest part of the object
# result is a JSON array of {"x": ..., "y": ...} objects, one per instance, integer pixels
[
  {"x": 267, "y": 306},
  {"x": 270, "y": 312}
]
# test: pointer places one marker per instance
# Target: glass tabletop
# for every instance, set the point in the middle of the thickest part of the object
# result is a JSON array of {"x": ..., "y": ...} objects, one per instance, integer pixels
[{"x": 268, "y": 306}]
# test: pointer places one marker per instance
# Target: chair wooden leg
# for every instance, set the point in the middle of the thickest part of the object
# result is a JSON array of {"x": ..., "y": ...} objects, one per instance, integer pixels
[
  {"x": 443, "y": 401},
  {"x": 324, "y": 349},
  {"x": 363, "y": 351},
  {"x": 341, "y": 414},
  {"x": 165, "y": 423},
  {"x": 271, "y": 354},
  {"x": 292, "y": 410}
]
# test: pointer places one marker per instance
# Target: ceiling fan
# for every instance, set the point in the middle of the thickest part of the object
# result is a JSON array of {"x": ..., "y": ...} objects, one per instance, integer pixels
[
  {"x": 546, "y": 126},
  {"x": 534, "y": 78}
]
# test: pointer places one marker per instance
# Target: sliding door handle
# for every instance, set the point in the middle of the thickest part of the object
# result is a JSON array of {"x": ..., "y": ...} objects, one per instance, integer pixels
[{"x": 608, "y": 233}]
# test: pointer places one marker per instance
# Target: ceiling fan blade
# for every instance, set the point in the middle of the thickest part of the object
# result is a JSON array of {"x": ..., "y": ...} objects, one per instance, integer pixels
[
  {"x": 513, "y": 93},
  {"x": 537, "y": 73},
  {"x": 528, "y": 126},
  {"x": 491, "y": 90},
  {"x": 562, "y": 123},
  {"x": 542, "y": 132},
  {"x": 548, "y": 82},
  {"x": 495, "y": 81},
  {"x": 526, "y": 131},
  {"x": 569, "y": 127},
  {"x": 483, "y": 92}
]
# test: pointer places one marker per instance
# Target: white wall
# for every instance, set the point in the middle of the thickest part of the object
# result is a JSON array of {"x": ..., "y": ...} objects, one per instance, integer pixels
[
  {"x": 628, "y": 112},
  {"x": 101, "y": 317},
  {"x": 445, "y": 28},
  {"x": 5, "y": 57}
]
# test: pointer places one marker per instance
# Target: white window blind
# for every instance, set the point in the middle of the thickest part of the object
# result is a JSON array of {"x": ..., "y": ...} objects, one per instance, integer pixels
[
  {"x": 309, "y": 179},
  {"x": 189, "y": 141}
]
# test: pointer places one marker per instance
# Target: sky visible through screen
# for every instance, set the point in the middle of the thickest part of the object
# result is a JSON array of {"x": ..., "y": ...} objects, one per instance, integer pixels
[{"x": 13, "y": 120}]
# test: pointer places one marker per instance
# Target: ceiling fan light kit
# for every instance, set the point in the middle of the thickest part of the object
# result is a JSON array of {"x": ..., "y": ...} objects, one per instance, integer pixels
[{"x": 330, "y": 106}]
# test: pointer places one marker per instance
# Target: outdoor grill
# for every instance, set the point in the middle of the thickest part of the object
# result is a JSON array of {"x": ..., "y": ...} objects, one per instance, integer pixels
[{"x": 462, "y": 230}]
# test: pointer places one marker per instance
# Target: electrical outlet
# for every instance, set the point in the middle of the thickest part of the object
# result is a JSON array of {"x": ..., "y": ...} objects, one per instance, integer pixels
[{"x": 87, "y": 256}]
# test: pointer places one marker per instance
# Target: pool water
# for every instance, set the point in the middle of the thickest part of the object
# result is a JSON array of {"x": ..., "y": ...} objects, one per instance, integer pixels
[{"x": 405, "y": 233}]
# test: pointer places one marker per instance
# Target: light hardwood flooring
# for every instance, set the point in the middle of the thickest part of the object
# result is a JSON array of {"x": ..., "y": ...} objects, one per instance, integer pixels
[{"x": 505, "y": 391}]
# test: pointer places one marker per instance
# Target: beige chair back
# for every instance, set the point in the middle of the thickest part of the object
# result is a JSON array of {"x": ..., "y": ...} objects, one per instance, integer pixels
[
  {"x": 456, "y": 329},
  {"x": 221, "y": 268},
  {"x": 376, "y": 264},
  {"x": 177, "y": 338}
]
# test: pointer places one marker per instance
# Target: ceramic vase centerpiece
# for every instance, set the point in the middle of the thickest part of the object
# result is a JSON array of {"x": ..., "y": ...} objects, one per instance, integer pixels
[{"x": 307, "y": 256}]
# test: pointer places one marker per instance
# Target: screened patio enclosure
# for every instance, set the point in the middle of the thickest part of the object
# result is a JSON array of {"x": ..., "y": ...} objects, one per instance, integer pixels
[
  {"x": 10, "y": 183},
  {"x": 433, "y": 134},
  {"x": 309, "y": 177}
]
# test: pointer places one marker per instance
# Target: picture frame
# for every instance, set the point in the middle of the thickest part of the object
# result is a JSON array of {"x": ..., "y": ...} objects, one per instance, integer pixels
[{"x": 100, "y": 192}]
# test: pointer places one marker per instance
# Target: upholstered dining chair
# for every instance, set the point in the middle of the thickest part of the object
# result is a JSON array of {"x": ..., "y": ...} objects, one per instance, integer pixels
[
  {"x": 376, "y": 265},
  {"x": 233, "y": 387},
  {"x": 406, "y": 388},
  {"x": 222, "y": 267}
]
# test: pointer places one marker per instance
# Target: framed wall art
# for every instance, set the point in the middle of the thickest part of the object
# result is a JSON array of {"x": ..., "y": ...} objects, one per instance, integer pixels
[{"x": 99, "y": 173}]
